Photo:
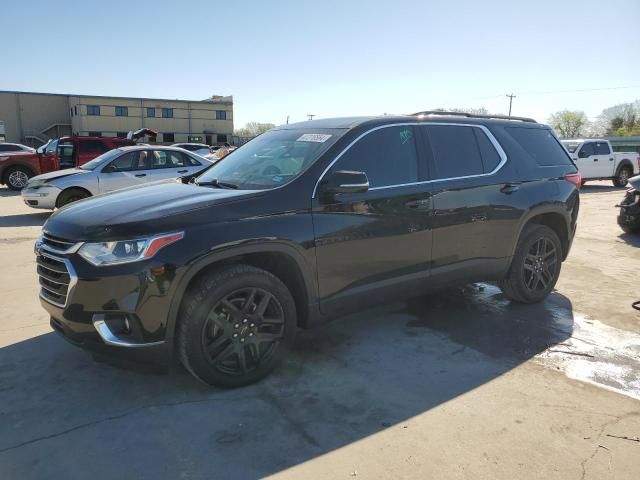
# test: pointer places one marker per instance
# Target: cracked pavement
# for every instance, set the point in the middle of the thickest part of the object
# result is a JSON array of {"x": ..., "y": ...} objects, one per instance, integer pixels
[{"x": 445, "y": 386}]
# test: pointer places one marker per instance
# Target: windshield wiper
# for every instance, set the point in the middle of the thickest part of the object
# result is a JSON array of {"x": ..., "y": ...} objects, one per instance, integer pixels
[{"x": 216, "y": 183}]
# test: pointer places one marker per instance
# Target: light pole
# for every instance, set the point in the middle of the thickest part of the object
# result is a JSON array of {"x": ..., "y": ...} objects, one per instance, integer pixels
[{"x": 511, "y": 97}]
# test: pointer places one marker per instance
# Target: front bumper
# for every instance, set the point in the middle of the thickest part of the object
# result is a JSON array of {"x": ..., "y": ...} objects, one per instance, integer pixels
[
  {"x": 122, "y": 309},
  {"x": 43, "y": 197}
]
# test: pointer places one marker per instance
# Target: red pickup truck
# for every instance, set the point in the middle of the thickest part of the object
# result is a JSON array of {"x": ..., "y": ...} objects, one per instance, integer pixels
[{"x": 16, "y": 168}]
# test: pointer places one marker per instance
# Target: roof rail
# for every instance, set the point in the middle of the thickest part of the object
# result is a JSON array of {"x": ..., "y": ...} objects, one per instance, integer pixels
[{"x": 474, "y": 115}]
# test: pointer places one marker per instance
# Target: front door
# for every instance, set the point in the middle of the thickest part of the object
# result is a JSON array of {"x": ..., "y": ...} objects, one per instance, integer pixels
[
  {"x": 129, "y": 169},
  {"x": 374, "y": 244},
  {"x": 588, "y": 162}
]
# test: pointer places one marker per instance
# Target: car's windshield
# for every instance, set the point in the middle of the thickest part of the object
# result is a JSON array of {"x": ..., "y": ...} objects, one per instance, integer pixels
[
  {"x": 571, "y": 146},
  {"x": 272, "y": 159},
  {"x": 105, "y": 157}
]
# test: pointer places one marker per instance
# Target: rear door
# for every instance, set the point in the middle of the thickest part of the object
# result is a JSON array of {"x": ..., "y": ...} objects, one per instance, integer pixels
[
  {"x": 375, "y": 244},
  {"x": 475, "y": 201},
  {"x": 129, "y": 169},
  {"x": 166, "y": 164},
  {"x": 604, "y": 160}
]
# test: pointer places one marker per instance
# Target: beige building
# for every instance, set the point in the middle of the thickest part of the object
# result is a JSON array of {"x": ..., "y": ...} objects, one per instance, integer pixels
[{"x": 33, "y": 118}]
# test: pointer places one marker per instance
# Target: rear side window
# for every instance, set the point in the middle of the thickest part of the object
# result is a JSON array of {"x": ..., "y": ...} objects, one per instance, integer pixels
[
  {"x": 540, "y": 144},
  {"x": 130, "y": 161},
  {"x": 93, "y": 146},
  {"x": 602, "y": 148},
  {"x": 455, "y": 151},
  {"x": 387, "y": 156},
  {"x": 10, "y": 148}
]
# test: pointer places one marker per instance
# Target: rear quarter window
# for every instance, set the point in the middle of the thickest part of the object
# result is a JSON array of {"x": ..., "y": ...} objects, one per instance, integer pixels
[{"x": 541, "y": 145}]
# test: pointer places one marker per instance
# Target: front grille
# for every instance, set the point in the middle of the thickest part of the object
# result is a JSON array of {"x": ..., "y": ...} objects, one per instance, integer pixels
[
  {"x": 57, "y": 243},
  {"x": 54, "y": 278}
]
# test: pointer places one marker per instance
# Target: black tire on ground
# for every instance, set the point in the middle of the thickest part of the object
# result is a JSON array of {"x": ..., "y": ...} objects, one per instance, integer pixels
[
  {"x": 535, "y": 267},
  {"x": 622, "y": 177},
  {"x": 235, "y": 325},
  {"x": 630, "y": 228},
  {"x": 16, "y": 177},
  {"x": 71, "y": 195}
]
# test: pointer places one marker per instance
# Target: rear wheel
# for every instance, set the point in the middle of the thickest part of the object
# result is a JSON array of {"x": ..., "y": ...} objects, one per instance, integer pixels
[
  {"x": 71, "y": 195},
  {"x": 535, "y": 267},
  {"x": 16, "y": 178},
  {"x": 622, "y": 178},
  {"x": 236, "y": 325}
]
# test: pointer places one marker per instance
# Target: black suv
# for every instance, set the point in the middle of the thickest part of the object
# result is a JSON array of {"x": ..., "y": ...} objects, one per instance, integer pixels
[{"x": 307, "y": 222}]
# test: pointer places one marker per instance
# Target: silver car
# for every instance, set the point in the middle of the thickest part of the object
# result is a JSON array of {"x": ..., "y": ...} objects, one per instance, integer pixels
[{"x": 119, "y": 168}]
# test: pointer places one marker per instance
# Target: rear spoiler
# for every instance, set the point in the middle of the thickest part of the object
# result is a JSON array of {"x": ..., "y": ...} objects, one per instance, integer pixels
[{"x": 135, "y": 135}]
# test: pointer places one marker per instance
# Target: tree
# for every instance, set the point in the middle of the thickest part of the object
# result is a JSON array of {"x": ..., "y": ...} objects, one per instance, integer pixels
[
  {"x": 569, "y": 124},
  {"x": 621, "y": 119},
  {"x": 253, "y": 129}
]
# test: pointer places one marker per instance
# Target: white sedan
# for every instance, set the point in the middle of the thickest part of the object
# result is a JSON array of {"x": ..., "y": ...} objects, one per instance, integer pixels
[{"x": 116, "y": 169}]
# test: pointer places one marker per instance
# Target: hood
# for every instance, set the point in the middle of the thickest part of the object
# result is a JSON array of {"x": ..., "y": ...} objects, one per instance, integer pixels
[
  {"x": 47, "y": 177},
  {"x": 139, "y": 211},
  {"x": 635, "y": 182}
]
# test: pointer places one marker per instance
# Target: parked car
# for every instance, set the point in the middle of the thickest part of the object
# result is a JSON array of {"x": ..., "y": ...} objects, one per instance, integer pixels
[
  {"x": 15, "y": 147},
  {"x": 596, "y": 160},
  {"x": 199, "y": 148},
  {"x": 304, "y": 223},
  {"x": 16, "y": 168},
  {"x": 629, "y": 216},
  {"x": 119, "y": 168}
]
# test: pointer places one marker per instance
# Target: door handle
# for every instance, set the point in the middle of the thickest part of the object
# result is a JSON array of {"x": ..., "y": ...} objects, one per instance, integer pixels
[
  {"x": 509, "y": 188},
  {"x": 595, "y": 159},
  {"x": 611, "y": 159},
  {"x": 183, "y": 171},
  {"x": 141, "y": 175}
]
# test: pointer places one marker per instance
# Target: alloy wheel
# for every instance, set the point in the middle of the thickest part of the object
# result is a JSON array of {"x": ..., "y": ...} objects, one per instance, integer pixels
[
  {"x": 243, "y": 330},
  {"x": 18, "y": 179},
  {"x": 540, "y": 265}
]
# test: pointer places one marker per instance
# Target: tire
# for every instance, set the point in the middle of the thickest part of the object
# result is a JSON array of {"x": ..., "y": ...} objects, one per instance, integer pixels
[
  {"x": 16, "y": 177},
  {"x": 222, "y": 338},
  {"x": 71, "y": 195},
  {"x": 530, "y": 271},
  {"x": 630, "y": 229},
  {"x": 622, "y": 177}
]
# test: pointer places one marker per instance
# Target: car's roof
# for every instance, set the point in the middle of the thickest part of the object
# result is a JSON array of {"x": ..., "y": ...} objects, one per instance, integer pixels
[
  {"x": 581, "y": 140},
  {"x": 189, "y": 143},
  {"x": 352, "y": 122},
  {"x": 147, "y": 147}
]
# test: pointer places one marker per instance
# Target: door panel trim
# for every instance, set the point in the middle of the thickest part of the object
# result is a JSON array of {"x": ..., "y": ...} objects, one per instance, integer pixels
[{"x": 487, "y": 132}]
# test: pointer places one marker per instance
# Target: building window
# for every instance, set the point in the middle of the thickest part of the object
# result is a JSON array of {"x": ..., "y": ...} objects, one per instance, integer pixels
[
  {"x": 75, "y": 109},
  {"x": 221, "y": 138},
  {"x": 121, "y": 134},
  {"x": 167, "y": 137},
  {"x": 71, "y": 111},
  {"x": 122, "y": 111},
  {"x": 95, "y": 134},
  {"x": 151, "y": 112},
  {"x": 167, "y": 113},
  {"x": 221, "y": 115},
  {"x": 93, "y": 109}
]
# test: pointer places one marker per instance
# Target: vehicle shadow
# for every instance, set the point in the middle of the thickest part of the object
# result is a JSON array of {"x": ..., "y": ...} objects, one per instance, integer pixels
[
  {"x": 342, "y": 383},
  {"x": 632, "y": 239},
  {"x": 25, "y": 219},
  {"x": 600, "y": 188},
  {"x": 7, "y": 192}
]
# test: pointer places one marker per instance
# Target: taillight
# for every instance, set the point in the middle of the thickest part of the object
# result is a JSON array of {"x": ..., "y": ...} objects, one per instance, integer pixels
[{"x": 574, "y": 178}]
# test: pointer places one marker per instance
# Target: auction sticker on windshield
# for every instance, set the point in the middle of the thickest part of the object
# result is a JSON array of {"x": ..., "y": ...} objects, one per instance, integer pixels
[{"x": 314, "y": 137}]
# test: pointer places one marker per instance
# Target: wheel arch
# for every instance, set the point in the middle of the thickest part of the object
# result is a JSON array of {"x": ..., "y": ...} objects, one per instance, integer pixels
[
  {"x": 625, "y": 162},
  {"x": 280, "y": 259},
  {"x": 68, "y": 189},
  {"x": 554, "y": 218}
]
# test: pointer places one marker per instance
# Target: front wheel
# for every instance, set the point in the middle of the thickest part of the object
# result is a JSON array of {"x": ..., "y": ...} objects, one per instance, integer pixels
[
  {"x": 71, "y": 195},
  {"x": 622, "y": 178},
  {"x": 236, "y": 325},
  {"x": 16, "y": 178},
  {"x": 535, "y": 267}
]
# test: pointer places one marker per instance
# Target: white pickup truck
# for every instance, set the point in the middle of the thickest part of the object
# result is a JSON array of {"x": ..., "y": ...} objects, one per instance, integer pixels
[{"x": 596, "y": 160}]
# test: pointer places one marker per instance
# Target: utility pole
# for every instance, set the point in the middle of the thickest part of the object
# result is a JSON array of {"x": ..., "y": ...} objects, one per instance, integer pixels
[
  {"x": 287, "y": 119},
  {"x": 511, "y": 97},
  {"x": 310, "y": 115}
]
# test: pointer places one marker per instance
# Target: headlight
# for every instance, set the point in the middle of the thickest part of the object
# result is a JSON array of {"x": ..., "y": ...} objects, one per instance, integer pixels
[
  {"x": 36, "y": 183},
  {"x": 126, "y": 251}
]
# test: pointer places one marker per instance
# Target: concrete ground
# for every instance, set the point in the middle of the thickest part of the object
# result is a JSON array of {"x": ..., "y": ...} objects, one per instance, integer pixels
[{"x": 462, "y": 384}]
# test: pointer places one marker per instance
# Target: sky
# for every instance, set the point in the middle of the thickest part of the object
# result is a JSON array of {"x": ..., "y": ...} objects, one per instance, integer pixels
[{"x": 331, "y": 58}]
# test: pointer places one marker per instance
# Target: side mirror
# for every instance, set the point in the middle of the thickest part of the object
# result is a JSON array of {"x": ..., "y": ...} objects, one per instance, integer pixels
[{"x": 344, "y": 181}]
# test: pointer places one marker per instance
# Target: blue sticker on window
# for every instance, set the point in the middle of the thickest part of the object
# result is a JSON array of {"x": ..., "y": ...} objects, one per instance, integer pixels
[
  {"x": 277, "y": 178},
  {"x": 405, "y": 135}
]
